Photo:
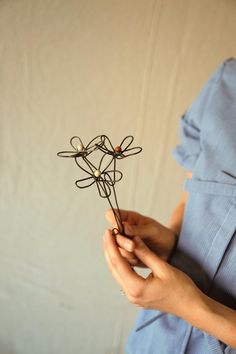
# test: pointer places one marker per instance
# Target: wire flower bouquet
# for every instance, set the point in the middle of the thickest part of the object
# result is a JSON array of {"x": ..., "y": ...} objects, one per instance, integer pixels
[{"x": 98, "y": 160}]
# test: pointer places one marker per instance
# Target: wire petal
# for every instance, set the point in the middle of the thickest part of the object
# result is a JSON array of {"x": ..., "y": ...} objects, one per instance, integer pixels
[
  {"x": 95, "y": 143},
  {"x": 127, "y": 141},
  {"x": 75, "y": 141},
  {"x": 108, "y": 144},
  {"x": 113, "y": 176},
  {"x": 69, "y": 154},
  {"x": 104, "y": 189},
  {"x": 130, "y": 152},
  {"x": 85, "y": 182}
]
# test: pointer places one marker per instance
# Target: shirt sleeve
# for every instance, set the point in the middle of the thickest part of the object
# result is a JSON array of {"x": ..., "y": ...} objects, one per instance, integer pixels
[
  {"x": 187, "y": 152},
  {"x": 192, "y": 122}
]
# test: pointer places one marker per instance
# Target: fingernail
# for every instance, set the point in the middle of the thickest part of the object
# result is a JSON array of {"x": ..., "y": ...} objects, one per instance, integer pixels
[{"x": 128, "y": 245}]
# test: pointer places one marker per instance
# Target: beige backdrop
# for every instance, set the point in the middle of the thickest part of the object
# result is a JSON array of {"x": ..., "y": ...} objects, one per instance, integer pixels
[{"x": 86, "y": 67}]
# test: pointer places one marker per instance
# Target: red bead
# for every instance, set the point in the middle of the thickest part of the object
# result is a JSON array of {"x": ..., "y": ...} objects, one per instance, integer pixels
[{"x": 118, "y": 149}]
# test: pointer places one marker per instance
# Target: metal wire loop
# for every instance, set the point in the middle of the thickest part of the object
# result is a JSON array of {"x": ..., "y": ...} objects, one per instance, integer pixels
[{"x": 99, "y": 174}]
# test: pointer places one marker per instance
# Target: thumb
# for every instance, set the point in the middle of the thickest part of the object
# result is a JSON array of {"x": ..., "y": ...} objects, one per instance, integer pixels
[
  {"x": 149, "y": 258},
  {"x": 145, "y": 230}
]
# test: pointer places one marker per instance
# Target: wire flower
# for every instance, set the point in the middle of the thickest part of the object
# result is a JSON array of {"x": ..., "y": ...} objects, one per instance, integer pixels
[
  {"x": 101, "y": 177},
  {"x": 120, "y": 151},
  {"x": 79, "y": 149},
  {"x": 104, "y": 174}
]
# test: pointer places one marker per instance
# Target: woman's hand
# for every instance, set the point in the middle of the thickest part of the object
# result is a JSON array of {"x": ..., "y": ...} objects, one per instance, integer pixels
[
  {"x": 156, "y": 236},
  {"x": 166, "y": 288}
]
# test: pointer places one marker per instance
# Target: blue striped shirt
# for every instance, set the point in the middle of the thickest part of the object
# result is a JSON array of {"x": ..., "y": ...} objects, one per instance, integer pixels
[{"x": 207, "y": 243}]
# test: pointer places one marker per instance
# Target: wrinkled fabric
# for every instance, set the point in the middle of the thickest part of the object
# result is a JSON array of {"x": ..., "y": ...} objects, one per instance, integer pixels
[{"x": 206, "y": 249}]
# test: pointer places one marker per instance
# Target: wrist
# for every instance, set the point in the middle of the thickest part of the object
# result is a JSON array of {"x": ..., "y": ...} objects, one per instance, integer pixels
[
  {"x": 200, "y": 308},
  {"x": 213, "y": 318}
]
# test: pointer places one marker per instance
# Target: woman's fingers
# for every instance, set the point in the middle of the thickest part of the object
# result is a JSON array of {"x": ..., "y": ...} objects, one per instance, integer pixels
[
  {"x": 129, "y": 256},
  {"x": 112, "y": 270},
  {"x": 145, "y": 230},
  {"x": 126, "y": 247},
  {"x": 126, "y": 215},
  {"x": 125, "y": 243},
  {"x": 135, "y": 224},
  {"x": 150, "y": 259},
  {"x": 120, "y": 268}
]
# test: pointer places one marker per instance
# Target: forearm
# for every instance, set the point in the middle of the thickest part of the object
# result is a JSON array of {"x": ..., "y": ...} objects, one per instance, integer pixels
[
  {"x": 177, "y": 218},
  {"x": 214, "y": 318}
]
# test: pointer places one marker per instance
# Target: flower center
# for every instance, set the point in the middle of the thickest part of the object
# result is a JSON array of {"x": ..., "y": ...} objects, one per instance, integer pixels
[
  {"x": 118, "y": 149},
  {"x": 80, "y": 147},
  {"x": 97, "y": 173}
]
